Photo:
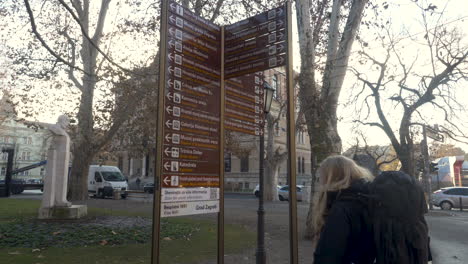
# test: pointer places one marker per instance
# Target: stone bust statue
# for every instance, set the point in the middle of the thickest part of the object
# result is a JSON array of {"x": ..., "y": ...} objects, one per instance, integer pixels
[{"x": 58, "y": 157}]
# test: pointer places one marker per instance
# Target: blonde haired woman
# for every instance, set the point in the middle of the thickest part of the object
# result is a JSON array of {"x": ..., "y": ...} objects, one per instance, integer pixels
[{"x": 343, "y": 231}]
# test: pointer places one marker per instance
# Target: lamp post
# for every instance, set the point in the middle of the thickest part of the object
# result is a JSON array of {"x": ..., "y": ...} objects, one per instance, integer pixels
[{"x": 261, "y": 253}]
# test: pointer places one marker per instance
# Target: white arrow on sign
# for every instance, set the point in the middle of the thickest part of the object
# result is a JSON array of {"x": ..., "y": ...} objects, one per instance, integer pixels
[
  {"x": 281, "y": 60},
  {"x": 173, "y": 6},
  {"x": 167, "y": 151},
  {"x": 169, "y": 96},
  {"x": 171, "y": 31},
  {"x": 280, "y": 23},
  {"x": 280, "y": 35},
  {"x": 171, "y": 43},
  {"x": 169, "y": 82},
  {"x": 170, "y": 56},
  {"x": 169, "y": 123},
  {"x": 167, "y": 180},
  {"x": 280, "y": 48},
  {"x": 170, "y": 69},
  {"x": 171, "y": 18},
  {"x": 279, "y": 12},
  {"x": 168, "y": 137},
  {"x": 167, "y": 166},
  {"x": 168, "y": 109}
]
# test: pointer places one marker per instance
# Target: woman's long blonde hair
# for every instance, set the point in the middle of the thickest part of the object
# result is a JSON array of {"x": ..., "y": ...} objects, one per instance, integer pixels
[{"x": 336, "y": 173}]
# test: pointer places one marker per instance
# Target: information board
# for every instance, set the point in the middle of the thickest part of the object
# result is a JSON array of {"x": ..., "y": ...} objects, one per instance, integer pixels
[{"x": 190, "y": 163}]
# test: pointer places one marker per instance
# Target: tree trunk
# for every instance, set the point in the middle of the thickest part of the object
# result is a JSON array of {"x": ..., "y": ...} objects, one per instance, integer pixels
[
  {"x": 320, "y": 106},
  {"x": 271, "y": 181},
  {"x": 83, "y": 151}
]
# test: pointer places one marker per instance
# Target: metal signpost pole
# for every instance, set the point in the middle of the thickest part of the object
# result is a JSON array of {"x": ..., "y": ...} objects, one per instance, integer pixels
[
  {"x": 426, "y": 180},
  {"x": 159, "y": 137},
  {"x": 291, "y": 112},
  {"x": 221, "y": 160},
  {"x": 261, "y": 211}
]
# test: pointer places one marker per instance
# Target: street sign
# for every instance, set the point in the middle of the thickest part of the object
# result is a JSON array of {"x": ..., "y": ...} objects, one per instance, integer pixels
[
  {"x": 211, "y": 79},
  {"x": 256, "y": 44},
  {"x": 434, "y": 134},
  {"x": 244, "y": 104},
  {"x": 191, "y": 120}
]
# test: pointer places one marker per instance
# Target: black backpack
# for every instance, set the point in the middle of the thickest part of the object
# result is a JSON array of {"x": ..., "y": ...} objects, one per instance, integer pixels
[{"x": 396, "y": 208}]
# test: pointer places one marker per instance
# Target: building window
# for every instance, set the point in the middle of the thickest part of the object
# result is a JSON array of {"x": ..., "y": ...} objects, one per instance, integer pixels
[
  {"x": 25, "y": 140},
  {"x": 301, "y": 137},
  {"x": 29, "y": 140},
  {"x": 227, "y": 162},
  {"x": 26, "y": 173},
  {"x": 23, "y": 155},
  {"x": 3, "y": 171},
  {"x": 7, "y": 140},
  {"x": 42, "y": 172},
  {"x": 303, "y": 165},
  {"x": 299, "y": 165},
  {"x": 246, "y": 185},
  {"x": 275, "y": 86},
  {"x": 244, "y": 162},
  {"x": 4, "y": 156}
]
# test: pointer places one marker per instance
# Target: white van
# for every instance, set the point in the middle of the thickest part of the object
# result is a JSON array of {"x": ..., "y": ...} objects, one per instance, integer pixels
[{"x": 103, "y": 180}]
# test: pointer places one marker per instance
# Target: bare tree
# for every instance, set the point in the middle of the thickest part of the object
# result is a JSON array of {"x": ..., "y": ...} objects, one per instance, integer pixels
[
  {"x": 413, "y": 88},
  {"x": 322, "y": 35}
]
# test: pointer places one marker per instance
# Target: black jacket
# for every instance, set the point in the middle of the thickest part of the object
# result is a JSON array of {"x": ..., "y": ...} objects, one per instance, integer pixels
[{"x": 347, "y": 236}]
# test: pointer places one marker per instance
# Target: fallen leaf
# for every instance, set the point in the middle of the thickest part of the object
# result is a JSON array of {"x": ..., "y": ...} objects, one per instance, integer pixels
[
  {"x": 40, "y": 256},
  {"x": 14, "y": 253},
  {"x": 103, "y": 243},
  {"x": 35, "y": 250},
  {"x": 167, "y": 239},
  {"x": 56, "y": 233},
  {"x": 114, "y": 232}
]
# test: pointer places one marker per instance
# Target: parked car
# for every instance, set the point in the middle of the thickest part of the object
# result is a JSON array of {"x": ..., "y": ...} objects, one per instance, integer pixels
[
  {"x": 148, "y": 187},
  {"x": 16, "y": 185},
  {"x": 256, "y": 191},
  {"x": 283, "y": 193},
  {"x": 448, "y": 198}
]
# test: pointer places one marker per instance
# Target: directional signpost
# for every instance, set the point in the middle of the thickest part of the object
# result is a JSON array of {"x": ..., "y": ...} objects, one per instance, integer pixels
[{"x": 211, "y": 79}]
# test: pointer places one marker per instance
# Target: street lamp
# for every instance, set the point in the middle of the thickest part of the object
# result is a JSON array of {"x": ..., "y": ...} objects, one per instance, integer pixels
[{"x": 261, "y": 253}]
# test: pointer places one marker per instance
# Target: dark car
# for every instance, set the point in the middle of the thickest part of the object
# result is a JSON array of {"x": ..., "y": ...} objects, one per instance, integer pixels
[
  {"x": 16, "y": 186},
  {"x": 148, "y": 187}
]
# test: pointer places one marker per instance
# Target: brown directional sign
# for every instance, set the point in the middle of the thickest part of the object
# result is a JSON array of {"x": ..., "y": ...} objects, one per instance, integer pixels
[
  {"x": 172, "y": 180},
  {"x": 244, "y": 104},
  {"x": 255, "y": 66},
  {"x": 256, "y": 44},
  {"x": 256, "y": 31},
  {"x": 192, "y": 101},
  {"x": 273, "y": 14}
]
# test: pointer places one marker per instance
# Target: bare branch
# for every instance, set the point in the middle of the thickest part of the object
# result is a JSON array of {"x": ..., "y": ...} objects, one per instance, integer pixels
[{"x": 44, "y": 44}]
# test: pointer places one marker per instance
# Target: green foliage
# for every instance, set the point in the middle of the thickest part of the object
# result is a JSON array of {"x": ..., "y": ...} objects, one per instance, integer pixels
[{"x": 34, "y": 234}]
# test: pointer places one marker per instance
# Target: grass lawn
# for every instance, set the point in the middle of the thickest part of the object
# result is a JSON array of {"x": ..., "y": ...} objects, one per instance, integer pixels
[{"x": 178, "y": 249}]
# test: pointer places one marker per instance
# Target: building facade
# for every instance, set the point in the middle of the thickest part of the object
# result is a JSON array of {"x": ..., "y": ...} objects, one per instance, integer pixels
[{"x": 30, "y": 145}]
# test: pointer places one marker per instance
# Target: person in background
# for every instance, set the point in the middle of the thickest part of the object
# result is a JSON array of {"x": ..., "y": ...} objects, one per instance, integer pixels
[{"x": 341, "y": 223}]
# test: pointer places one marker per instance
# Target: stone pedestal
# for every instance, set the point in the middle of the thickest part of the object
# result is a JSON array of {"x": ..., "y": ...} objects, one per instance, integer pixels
[{"x": 72, "y": 212}]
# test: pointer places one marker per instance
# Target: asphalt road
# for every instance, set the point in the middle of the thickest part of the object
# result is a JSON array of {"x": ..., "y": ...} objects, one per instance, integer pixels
[{"x": 448, "y": 230}]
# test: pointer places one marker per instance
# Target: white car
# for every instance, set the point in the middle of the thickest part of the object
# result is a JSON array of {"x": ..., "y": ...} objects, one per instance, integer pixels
[
  {"x": 283, "y": 192},
  {"x": 256, "y": 191}
]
